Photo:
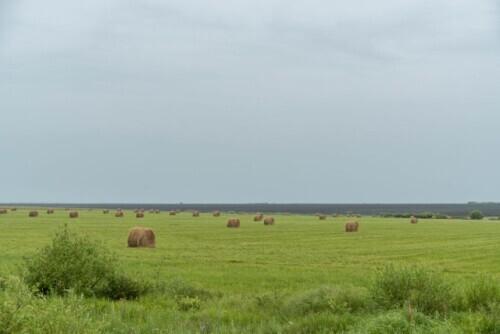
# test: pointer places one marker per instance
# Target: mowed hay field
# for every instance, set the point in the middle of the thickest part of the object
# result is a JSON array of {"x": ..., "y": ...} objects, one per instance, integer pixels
[{"x": 299, "y": 253}]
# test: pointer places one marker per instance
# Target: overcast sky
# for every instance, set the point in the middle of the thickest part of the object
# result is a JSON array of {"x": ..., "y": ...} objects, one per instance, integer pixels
[{"x": 249, "y": 101}]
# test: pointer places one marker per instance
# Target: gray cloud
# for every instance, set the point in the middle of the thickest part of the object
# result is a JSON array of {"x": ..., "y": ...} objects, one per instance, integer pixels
[{"x": 249, "y": 101}]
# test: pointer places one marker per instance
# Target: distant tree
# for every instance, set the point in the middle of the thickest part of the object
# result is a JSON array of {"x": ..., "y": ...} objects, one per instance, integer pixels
[{"x": 476, "y": 215}]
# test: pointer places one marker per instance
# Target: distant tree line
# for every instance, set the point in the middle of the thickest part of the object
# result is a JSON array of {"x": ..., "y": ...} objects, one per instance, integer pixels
[
  {"x": 421, "y": 215},
  {"x": 473, "y": 215}
]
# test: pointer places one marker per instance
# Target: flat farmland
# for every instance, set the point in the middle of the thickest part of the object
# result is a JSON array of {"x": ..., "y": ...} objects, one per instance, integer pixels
[{"x": 299, "y": 253}]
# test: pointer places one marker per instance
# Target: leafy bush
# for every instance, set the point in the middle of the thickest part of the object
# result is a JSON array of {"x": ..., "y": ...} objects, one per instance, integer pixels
[
  {"x": 424, "y": 290},
  {"x": 70, "y": 262},
  {"x": 476, "y": 215},
  {"x": 76, "y": 263},
  {"x": 122, "y": 287}
]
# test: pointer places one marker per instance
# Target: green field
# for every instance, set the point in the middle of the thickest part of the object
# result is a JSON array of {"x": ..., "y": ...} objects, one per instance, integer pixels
[{"x": 242, "y": 267}]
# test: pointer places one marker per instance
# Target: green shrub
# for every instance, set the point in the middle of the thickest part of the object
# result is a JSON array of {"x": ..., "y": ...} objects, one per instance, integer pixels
[
  {"x": 122, "y": 287},
  {"x": 70, "y": 262},
  {"x": 424, "y": 290},
  {"x": 476, "y": 215},
  {"x": 76, "y": 263}
]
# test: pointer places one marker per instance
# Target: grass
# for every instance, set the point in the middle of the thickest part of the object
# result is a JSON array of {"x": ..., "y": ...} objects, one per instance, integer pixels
[{"x": 256, "y": 264}]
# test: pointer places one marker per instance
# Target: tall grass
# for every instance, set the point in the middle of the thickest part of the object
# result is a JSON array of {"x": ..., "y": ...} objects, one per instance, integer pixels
[{"x": 424, "y": 290}]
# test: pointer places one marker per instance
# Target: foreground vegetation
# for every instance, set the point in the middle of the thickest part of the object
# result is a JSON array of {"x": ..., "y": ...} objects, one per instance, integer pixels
[{"x": 302, "y": 275}]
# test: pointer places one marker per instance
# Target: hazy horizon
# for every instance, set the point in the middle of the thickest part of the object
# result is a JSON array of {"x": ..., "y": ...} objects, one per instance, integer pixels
[
  {"x": 254, "y": 203},
  {"x": 249, "y": 101}
]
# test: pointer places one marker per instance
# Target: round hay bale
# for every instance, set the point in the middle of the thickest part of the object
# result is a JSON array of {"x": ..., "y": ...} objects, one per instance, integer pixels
[
  {"x": 157, "y": 211},
  {"x": 33, "y": 213},
  {"x": 351, "y": 227},
  {"x": 269, "y": 221},
  {"x": 233, "y": 222},
  {"x": 413, "y": 220},
  {"x": 141, "y": 237},
  {"x": 119, "y": 214},
  {"x": 3, "y": 211},
  {"x": 50, "y": 211},
  {"x": 73, "y": 214},
  {"x": 151, "y": 211},
  {"x": 216, "y": 213},
  {"x": 172, "y": 213},
  {"x": 105, "y": 211},
  {"x": 196, "y": 213},
  {"x": 321, "y": 217},
  {"x": 139, "y": 215},
  {"x": 13, "y": 209},
  {"x": 258, "y": 217}
]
